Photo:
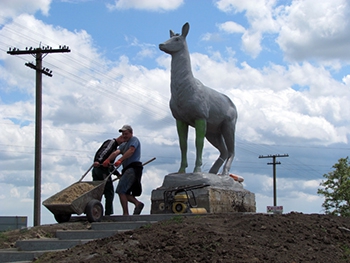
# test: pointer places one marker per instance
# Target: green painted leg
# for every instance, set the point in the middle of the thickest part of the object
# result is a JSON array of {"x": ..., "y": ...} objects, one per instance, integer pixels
[
  {"x": 182, "y": 131},
  {"x": 201, "y": 129}
]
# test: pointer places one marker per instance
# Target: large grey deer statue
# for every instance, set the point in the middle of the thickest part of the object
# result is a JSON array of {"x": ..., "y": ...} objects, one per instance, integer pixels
[{"x": 212, "y": 114}]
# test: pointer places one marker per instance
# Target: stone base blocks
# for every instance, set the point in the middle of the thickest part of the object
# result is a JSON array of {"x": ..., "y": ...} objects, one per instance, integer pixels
[{"x": 215, "y": 193}]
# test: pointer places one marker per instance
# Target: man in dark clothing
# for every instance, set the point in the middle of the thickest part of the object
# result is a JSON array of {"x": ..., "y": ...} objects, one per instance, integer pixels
[{"x": 102, "y": 160}]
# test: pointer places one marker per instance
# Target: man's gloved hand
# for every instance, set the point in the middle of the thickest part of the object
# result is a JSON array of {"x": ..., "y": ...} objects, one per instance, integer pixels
[
  {"x": 118, "y": 163},
  {"x": 105, "y": 163}
]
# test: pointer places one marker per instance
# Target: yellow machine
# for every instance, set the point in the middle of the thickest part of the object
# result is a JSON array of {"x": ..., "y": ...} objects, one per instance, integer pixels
[
  {"x": 179, "y": 205},
  {"x": 177, "y": 200}
]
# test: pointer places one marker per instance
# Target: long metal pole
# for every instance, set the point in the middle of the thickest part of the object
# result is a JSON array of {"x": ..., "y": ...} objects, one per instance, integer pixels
[{"x": 38, "y": 120}]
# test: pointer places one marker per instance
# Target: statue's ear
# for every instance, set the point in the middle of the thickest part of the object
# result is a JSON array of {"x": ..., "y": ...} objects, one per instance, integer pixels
[
  {"x": 172, "y": 33},
  {"x": 185, "y": 29}
]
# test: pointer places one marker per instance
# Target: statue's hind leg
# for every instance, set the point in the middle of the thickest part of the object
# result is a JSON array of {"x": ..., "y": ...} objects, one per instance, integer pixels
[
  {"x": 218, "y": 142},
  {"x": 229, "y": 137},
  {"x": 182, "y": 131},
  {"x": 227, "y": 166}
]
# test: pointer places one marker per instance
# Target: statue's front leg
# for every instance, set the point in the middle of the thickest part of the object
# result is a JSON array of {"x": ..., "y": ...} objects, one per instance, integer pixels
[
  {"x": 201, "y": 129},
  {"x": 182, "y": 131}
]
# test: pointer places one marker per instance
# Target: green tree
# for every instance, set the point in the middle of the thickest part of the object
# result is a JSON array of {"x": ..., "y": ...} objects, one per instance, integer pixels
[{"x": 336, "y": 189}]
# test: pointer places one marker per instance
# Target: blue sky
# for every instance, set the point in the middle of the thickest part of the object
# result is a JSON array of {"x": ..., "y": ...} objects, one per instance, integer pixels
[{"x": 285, "y": 64}]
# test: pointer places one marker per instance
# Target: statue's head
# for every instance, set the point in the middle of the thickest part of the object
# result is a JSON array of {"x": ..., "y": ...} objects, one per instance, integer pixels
[{"x": 176, "y": 42}]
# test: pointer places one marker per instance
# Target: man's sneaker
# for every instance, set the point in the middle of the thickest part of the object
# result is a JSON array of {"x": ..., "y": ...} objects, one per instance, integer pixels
[{"x": 138, "y": 209}]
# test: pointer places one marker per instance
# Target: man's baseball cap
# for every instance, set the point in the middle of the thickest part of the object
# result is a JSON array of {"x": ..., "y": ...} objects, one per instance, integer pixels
[{"x": 126, "y": 127}]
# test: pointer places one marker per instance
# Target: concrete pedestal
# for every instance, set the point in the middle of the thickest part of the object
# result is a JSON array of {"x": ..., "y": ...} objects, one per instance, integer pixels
[{"x": 222, "y": 195}]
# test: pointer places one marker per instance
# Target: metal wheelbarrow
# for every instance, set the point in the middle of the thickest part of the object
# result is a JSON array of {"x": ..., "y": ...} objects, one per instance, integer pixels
[{"x": 80, "y": 197}]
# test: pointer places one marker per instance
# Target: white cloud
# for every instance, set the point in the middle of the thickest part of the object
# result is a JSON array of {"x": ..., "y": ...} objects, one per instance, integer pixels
[
  {"x": 231, "y": 27},
  {"x": 346, "y": 80},
  {"x": 152, "y": 5},
  {"x": 307, "y": 29},
  {"x": 315, "y": 29},
  {"x": 213, "y": 37},
  {"x": 146, "y": 52},
  {"x": 251, "y": 43},
  {"x": 313, "y": 184},
  {"x": 260, "y": 18},
  {"x": 12, "y": 8},
  {"x": 14, "y": 192},
  {"x": 259, "y": 13}
]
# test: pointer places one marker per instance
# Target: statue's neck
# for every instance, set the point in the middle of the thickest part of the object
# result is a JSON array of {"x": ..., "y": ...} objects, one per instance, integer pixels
[{"x": 181, "y": 67}]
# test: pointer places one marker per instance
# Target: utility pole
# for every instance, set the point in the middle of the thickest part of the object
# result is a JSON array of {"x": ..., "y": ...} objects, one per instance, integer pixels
[
  {"x": 39, "y": 53},
  {"x": 274, "y": 172}
]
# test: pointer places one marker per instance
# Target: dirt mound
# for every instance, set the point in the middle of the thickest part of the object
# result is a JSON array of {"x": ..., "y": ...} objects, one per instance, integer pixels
[{"x": 293, "y": 237}]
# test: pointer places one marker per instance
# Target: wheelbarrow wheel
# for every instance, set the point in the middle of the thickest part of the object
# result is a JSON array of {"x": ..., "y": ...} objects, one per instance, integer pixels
[
  {"x": 94, "y": 211},
  {"x": 62, "y": 218}
]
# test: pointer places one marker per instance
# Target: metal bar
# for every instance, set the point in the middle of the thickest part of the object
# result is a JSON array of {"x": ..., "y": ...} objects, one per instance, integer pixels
[
  {"x": 92, "y": 165},
  {"x": 151, "y": 160}
]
